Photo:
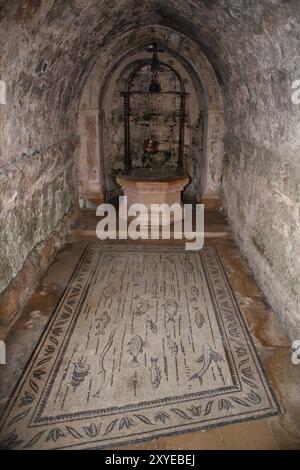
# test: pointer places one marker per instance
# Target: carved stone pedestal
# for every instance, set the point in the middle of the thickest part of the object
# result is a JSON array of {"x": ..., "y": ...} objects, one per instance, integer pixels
[{"x": 154, "y": 189}]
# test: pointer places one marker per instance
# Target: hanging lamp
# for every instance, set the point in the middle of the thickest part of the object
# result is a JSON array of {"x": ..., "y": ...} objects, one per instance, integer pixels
[{"x": 151, "y": 144}]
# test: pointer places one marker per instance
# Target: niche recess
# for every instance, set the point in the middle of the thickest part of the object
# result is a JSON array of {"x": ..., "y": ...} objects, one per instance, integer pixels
[{"x": 101, "y": 117}]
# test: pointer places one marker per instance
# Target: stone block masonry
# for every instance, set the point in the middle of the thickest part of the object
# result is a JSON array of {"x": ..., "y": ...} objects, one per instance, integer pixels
[{"x": 36, "y": 207}]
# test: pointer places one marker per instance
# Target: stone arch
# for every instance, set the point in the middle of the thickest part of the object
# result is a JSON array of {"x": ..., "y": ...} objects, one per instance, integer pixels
[
  {"x": 92, "y": 114},
  {"x": 114, "y": 112}
]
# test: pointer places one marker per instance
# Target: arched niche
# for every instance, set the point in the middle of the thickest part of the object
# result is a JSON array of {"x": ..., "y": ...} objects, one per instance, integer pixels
[{"x": 100, "y": 116}]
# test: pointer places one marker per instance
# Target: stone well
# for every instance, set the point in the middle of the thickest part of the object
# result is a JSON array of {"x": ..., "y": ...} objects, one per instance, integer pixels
[{"x": 157, "y": 188}]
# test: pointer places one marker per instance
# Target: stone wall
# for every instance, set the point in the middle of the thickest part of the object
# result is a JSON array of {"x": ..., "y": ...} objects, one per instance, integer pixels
[
  {"x": 248, "y": 51},
  {"x": 261, "y": 183},
  {"x": 37, "y": 197},
  {"x": 20, "y": 288},
  {"x": 37, "y": 144},
  {"x": 36, "y": 193}
]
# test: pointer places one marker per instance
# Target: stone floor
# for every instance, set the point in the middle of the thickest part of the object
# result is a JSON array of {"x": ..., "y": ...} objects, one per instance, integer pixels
[{"x": 280, "y": 432}]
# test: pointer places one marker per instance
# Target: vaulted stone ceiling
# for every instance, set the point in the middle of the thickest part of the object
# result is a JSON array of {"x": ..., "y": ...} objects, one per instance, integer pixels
[{"x": 48, "y": 49}]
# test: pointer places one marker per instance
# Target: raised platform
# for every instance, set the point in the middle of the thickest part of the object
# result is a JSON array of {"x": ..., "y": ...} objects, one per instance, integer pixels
[{"x": 215, "y": 227}]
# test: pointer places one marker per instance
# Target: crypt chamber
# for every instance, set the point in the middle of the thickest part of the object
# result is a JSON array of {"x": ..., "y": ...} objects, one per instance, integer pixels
[{"x": 124, "y": 342}]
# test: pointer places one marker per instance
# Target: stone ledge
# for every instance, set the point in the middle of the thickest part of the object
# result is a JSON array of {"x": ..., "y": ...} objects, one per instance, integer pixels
[
  {"x": 211, "y": 202},
  {"x": 11, "y": 168}
]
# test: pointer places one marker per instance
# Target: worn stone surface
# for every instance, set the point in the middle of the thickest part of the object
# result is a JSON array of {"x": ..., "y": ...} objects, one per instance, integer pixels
[
  {"x": 19, "y": 289},
  {"x": 278, "y": 432},
  {"x": 36, "y": 192},
  {"x": 48, "y": 49}
]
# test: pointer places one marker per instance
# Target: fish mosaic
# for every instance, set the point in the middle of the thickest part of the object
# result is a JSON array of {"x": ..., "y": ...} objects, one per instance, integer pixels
[
  {"x": 102, "y": 322},
  {"x": 109, "y": 291},
  {"x": 135, "y": 347},
  {"x": 195, "y": 293},
  {"x": 199, "y": 317},
  {"x": 136, "y": 353},
  {"x": 189, "y": 267},
  {"x": 155, "y": 374},
  {"x": 142, "y": 307},
  {"x": 207, "y": 357}
]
